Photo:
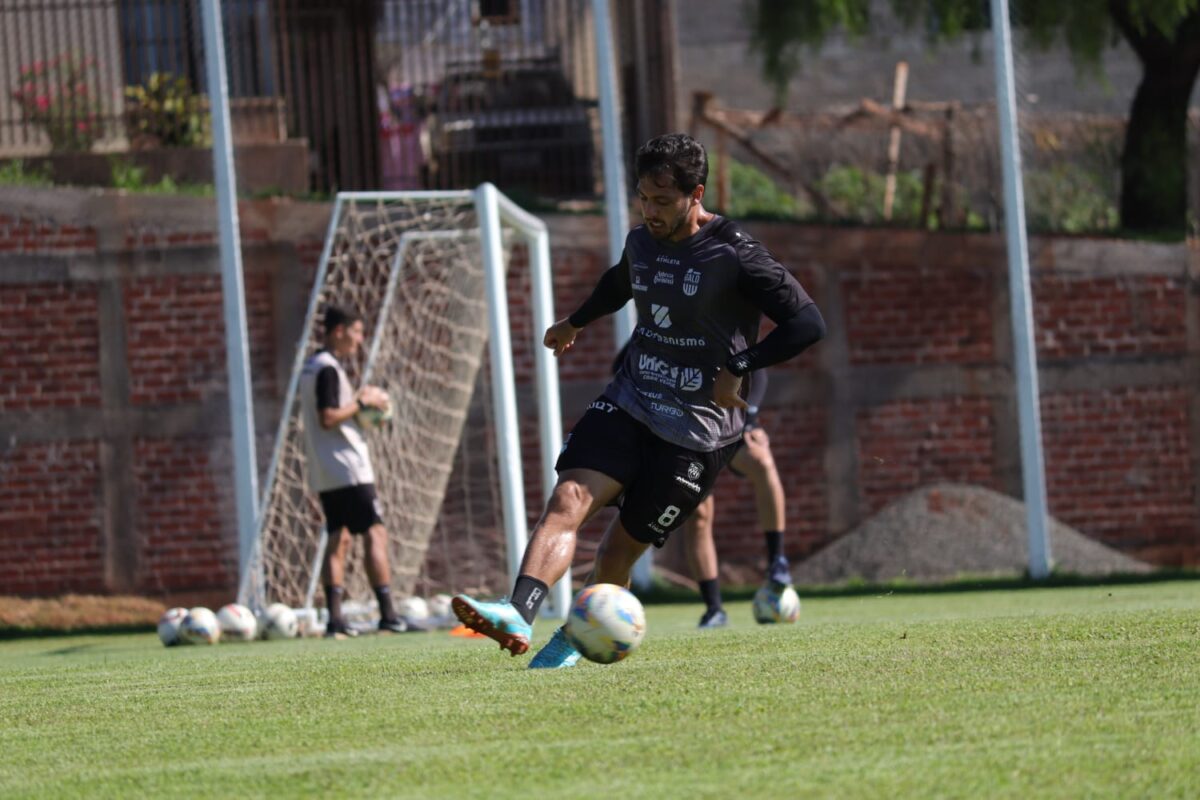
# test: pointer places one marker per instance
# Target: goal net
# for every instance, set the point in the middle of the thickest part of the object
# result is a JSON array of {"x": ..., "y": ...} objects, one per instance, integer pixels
[{"x": 428, "y": 272}]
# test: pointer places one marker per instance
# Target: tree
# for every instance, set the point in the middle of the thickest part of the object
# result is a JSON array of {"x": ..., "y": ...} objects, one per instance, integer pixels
[{"x": 1165, "y": 35}]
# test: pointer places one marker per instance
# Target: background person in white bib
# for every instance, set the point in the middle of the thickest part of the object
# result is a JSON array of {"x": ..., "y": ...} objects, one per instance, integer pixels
[{"x": 340, "y": 467}]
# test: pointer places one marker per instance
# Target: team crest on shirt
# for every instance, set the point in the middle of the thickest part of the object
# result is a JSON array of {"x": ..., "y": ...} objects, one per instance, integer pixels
[{"x": 691, "y": 282}]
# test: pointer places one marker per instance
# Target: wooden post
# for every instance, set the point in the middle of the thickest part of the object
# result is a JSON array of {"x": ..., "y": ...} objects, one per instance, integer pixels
[
  {"x": 899, "y": 89},
  {"x": 948, "y": 213}
]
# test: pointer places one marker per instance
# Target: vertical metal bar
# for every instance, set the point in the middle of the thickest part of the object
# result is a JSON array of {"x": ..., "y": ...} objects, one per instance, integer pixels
[
  {"x": 504, "y": 401},
  {"x": 241, "y": 402},
  {"x": 1024, "y": 347}
]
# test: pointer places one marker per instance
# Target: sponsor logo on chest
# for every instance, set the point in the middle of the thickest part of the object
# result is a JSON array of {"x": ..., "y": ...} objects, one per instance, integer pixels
[{"x": 654, "y": 369}]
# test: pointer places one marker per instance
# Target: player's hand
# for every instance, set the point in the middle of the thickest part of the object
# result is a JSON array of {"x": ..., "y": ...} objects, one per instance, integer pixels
[
  {"x": 373, "y": 396},
  {"x": 725, "y": 390},
  {"x": 560, "y": 337}
]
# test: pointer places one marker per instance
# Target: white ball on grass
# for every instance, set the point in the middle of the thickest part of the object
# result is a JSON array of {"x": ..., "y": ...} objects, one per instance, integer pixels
[
  {"x": 771, "y": 606},
  {"x": 281, "y": 622},
  {"x": 606, "y": 623},
  {"x": 414, "y": 608},
  {"x": 439, "y": 606},
  {"x": 200, "y": 626},
  {"x": 168, "y": 626},
  {"x": 237, "y": 623}
]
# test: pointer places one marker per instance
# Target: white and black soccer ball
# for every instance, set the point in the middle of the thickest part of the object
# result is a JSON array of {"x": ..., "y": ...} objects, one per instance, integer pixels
[
  {"x": 237, "y": 623},
  {"x": 374, "y": 417},
  {"x": 776, "y": 605},
  {"x": 280, "y": 622},
  {"x": 200, "y": 626},
  {"x": 606, "y": 623},
  {"x": 414, "y": 608},
  {"x": 168, "y": 626},
  {"x": 439, "y": 606}
]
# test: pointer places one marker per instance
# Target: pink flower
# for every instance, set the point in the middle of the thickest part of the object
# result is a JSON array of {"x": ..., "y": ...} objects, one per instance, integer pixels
[{"x": 42, "y": 102}]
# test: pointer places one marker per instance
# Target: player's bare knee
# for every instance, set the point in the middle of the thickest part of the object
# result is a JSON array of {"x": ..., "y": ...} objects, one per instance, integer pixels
[{"x": 570, "y": 498}]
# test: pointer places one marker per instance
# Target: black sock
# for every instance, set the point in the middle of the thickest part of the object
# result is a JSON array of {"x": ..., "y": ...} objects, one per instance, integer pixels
[
  {"x": 384, "y": 595},
  {"x": 774, "y": 545},
  {"x": 711, "y": 592},
  {"x": 528, "y": 595},
  {"x": 333, "y": 600}
]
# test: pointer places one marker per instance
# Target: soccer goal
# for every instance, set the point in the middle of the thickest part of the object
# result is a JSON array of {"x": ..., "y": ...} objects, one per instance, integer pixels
[{"x": 434, "y": 275}]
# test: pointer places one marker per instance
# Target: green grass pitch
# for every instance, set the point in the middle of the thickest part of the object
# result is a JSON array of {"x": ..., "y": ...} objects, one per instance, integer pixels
[{"x": 1068, "y": 692}]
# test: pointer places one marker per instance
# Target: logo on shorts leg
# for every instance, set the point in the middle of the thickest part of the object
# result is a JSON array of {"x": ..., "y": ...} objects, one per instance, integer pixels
[{"x": 694, "y": 470}]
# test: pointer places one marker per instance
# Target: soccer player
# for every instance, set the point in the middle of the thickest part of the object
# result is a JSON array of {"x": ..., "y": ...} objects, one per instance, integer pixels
[
  {"x": 753, "y": 461},
  {"x": 340, "y": 468},
  {"x": 672, "y": 416}
]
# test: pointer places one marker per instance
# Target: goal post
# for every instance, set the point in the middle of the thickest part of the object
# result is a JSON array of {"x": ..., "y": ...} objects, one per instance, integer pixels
[{"x": 429, "y": 274}]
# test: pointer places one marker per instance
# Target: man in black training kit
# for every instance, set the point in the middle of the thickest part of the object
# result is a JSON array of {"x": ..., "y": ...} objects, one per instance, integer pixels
[
  {"x": 672, "y": 416},
  {"x": 339, "y": 467}
]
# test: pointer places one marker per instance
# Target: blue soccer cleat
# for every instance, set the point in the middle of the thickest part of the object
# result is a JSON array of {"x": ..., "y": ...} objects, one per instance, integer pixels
[
  {"x": 556, "y": 653},
  {"x": 498, "y": 621},
  {"x": 779, "y": 573}
]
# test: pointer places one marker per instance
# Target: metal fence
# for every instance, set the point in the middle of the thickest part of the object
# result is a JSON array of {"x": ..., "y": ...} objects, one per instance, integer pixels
[{"x": 393, "y": 94}]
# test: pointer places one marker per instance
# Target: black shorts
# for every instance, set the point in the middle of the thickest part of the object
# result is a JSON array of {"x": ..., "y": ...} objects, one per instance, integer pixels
[
  {"x": 355, "y": 508},
  {"x": 663, "y": 482}
]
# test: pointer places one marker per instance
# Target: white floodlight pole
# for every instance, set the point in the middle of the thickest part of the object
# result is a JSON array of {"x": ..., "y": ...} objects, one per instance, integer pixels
[
  {"x": 615, "y": 194},
  {"x": 615, "y": 199},
  {"x": 1024, "y": 349},
  {"x": 241, "y": 402}
]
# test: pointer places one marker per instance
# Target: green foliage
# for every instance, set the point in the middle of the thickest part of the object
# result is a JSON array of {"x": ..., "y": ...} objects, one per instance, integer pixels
[
  {"x": 782, "y": 29},
  {"x": 1068, "y": 198},
  {"x": 15, "y": 173},
  {"x": 131, "y": 177},
  {"x": 856, "y": 195},
  {"x": 164, "y": 111},
  {"x": 752, "y": 193},
  {"x": 56, "y": 96}
]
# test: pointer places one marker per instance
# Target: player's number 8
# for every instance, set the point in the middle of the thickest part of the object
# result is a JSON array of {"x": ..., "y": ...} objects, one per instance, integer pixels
[{"x": 668, "y": 516}]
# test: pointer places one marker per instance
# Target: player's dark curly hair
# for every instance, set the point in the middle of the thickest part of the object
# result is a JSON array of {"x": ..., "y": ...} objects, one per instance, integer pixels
[
  {"x": 337, "y": 315},
  {"x": 677, "y": 155}
]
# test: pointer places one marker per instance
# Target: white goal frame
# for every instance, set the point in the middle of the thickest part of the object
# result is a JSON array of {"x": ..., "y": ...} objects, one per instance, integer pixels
[{"x": 494, "y": 211}]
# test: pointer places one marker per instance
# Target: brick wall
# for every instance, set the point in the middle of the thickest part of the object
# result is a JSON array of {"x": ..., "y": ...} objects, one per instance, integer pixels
[{"x": 114, "y": 463}]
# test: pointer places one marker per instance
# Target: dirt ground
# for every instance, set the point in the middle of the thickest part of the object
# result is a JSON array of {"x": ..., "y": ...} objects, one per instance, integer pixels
[
  {"x": 75, "y": 612},
  {"x": 949, "y": 531}
]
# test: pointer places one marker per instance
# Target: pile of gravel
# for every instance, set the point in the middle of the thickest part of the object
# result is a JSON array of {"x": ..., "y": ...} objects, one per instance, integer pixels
[{"x": 948, "y": 531}]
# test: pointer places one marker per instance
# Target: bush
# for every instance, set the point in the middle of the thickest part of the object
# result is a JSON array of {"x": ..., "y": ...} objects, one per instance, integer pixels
[
  {"x": 130, "y": 177},
  {"x": 752, "y": 192},
  {"x": 15, "y": 173},
  {"x": 1068, "y": 198},
  {"x": 856, "y": 195},
  {"x": 54, "y": 95},
  {"x": 165, "y": 112}
]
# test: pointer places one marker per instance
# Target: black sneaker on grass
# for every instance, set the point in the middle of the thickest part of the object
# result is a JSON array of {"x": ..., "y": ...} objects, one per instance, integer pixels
[
  {"x": 337, "y": 629},
  {"x": 714, "y": 618},
  {"x": 393, "y": 626}
]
